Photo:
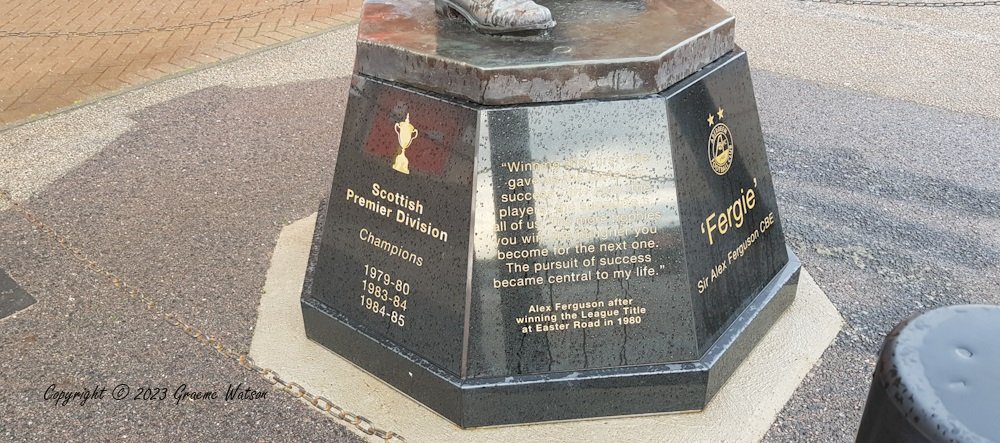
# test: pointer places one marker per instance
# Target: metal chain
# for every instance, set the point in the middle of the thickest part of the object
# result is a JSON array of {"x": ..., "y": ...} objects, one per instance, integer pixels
[
  {"x": 902, "y": 4},
  {"x": 159, "y": 313},
  {"x": 33, "y": 34}
]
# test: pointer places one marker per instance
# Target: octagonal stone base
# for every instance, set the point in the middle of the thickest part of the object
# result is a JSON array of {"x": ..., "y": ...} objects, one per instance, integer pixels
[
  {"x": 547, "y": 262},
  {"x": 599, "y": 49}
]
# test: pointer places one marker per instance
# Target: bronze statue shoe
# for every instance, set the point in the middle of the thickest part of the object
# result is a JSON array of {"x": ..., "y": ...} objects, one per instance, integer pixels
[{"x": 498, "y": 16}]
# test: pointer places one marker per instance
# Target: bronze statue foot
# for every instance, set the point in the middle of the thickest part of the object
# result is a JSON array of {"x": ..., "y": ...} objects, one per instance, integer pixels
[{"x": 498, "y": 16}]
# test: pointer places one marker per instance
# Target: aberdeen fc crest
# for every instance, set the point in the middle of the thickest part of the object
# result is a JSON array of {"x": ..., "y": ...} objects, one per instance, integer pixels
[{"x": 720, "y": 144}]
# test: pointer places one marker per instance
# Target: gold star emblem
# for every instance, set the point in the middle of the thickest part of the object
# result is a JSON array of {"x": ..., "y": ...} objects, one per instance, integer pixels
[
  {"x": 721, "y": 112},
  {"x": 711, "y": 119}
]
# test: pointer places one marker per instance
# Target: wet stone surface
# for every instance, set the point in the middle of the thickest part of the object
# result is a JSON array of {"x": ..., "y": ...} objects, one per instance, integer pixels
[
  {"x": 598, "y": 49},
  {"x": 470, "y": 254},
  {"x": 936, "y": 378}
]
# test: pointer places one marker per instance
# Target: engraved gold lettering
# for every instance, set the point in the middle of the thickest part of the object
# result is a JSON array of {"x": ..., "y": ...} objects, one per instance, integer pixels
[
  {"x": 371, "y": 205},
  {"x": 732, "y": 217},
  {"x": 399, "y": 199},
  {"x": 404, "y": 218},
  {"x": 392, "y": 249}
]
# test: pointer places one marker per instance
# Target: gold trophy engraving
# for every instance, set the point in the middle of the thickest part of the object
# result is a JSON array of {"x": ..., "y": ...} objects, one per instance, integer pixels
[{"x": 406, "y": 133}]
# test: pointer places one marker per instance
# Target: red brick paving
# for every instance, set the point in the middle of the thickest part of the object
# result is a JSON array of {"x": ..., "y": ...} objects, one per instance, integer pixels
[{"x": 55, "y": 53}]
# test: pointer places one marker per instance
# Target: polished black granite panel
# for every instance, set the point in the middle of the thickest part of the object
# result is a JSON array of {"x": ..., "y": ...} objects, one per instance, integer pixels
[
  {"x": 396, "y": 257},
  {"x": 732, "y": 229},
  {"x": 602, "y": 257},
  {"x": 587, "y": 192},
  {"x": 599, "y": 49}
]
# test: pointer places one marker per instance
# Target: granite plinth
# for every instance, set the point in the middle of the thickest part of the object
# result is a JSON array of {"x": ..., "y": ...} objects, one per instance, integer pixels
[
  {"x": 599, "y": 49},
  {"x": 562, "y": 261}
]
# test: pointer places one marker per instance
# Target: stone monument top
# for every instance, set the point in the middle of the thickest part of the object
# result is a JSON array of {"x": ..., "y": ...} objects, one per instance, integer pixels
[{"x": 600, "y": 49}]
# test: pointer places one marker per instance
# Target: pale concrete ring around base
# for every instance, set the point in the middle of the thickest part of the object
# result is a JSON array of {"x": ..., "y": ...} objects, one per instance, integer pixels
[{"x": 742, "y": 411}]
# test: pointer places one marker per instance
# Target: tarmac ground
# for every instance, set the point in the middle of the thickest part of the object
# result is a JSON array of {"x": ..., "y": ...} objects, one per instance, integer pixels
[{"x": 879, "y": 124}]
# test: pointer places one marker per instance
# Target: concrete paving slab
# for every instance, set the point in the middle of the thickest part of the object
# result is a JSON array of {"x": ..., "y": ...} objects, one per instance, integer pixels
[
  {"x": 741, "y": 412},
  {"x": 946, "y": 57}
]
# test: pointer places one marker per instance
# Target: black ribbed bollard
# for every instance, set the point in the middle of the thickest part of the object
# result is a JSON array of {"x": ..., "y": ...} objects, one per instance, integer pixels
[{"x": 937, "y": 379}]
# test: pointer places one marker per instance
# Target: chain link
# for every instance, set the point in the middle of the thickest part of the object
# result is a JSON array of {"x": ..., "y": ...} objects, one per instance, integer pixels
[
  {"x": 33, "y": 34},
  {"x": 159, "y": 313},
  {"x": 903, "y": 4}
]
